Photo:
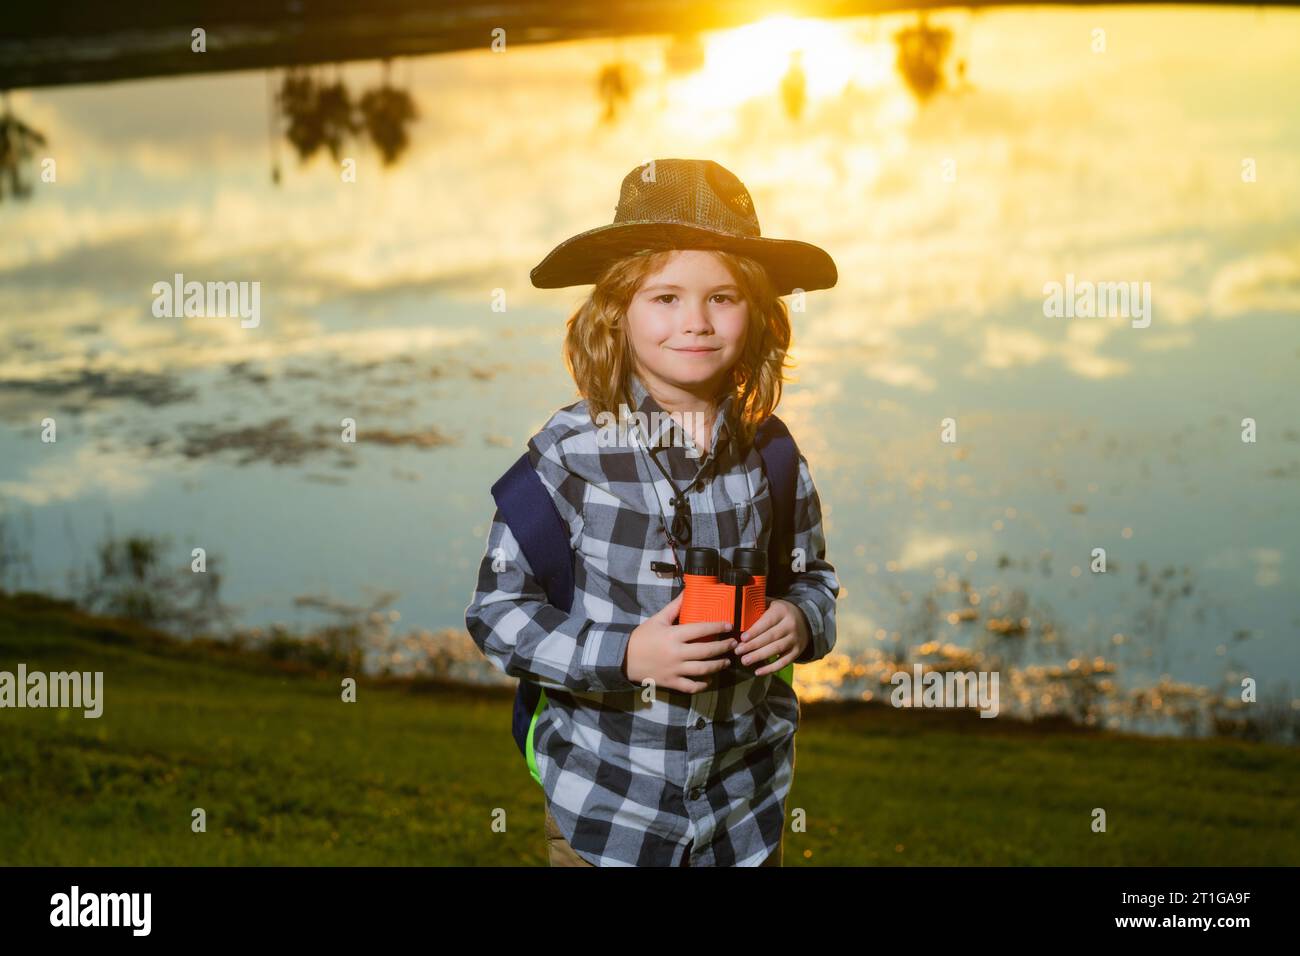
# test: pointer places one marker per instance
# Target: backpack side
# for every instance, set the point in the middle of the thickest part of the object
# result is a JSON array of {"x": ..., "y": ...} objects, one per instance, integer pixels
[
  {"x": 781, "y": 465},
  {"x": 527, "y": 507}
]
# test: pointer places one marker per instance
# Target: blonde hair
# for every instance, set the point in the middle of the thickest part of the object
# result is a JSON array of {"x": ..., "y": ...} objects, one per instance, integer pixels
[{"x": 598, "y": 353}]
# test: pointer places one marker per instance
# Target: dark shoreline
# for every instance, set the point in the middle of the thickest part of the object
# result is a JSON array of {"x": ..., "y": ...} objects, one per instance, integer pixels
[
  {"x": 83, "y": 42},
  {"x": 35, "y": 607}
]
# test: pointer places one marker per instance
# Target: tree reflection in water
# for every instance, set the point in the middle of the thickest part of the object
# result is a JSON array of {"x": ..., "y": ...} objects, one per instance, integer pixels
[
  {"x": 17, "y": 144},
  {"x": 614, "y": 87},
  {"x": 921, "y": 53},
  {"x": 318, "y": 111}
]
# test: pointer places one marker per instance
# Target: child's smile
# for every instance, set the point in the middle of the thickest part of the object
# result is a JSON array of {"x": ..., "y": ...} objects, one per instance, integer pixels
[{"x": 687, "y": 323}]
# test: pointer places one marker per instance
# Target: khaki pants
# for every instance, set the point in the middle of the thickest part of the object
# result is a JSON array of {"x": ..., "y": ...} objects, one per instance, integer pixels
[{"x": 561, "y": 854}]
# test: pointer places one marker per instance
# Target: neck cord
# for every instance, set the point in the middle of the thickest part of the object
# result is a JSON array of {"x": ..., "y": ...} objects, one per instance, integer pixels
[
  {"x": 681, "y": 518},
  {"x": 681, "y": 521},
  {"x": 684, "y": 520}
]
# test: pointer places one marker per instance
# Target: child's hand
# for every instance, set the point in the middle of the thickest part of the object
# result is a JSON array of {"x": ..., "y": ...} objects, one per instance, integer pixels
[
  {"x": 675, "y": 655},
  {"x": 781, "y": 630}
]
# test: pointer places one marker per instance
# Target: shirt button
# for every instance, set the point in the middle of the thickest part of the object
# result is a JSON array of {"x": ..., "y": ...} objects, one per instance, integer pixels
[{"x": 699, "y": 724}]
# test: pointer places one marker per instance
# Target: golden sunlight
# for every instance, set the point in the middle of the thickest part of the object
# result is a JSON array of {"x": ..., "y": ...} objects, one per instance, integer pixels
[{"x": 754, "y": 60}]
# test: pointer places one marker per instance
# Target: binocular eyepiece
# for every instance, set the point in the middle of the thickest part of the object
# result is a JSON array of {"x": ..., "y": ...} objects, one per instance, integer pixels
[{"x": 704, "y": 562}]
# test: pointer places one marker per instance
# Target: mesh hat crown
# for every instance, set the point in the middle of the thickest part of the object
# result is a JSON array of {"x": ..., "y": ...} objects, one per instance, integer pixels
[{"x": 684, "y": 204}]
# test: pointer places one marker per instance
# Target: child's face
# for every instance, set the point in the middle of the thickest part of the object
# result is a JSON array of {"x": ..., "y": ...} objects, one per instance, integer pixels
[{"x": 687, "y": 322}]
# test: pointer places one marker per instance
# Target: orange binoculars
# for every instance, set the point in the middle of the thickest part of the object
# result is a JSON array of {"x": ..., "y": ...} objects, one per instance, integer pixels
[{"x": 737, "y": 596}]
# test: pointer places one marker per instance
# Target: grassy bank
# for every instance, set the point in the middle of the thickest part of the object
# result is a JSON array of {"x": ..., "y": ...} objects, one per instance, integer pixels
[{"x": 288, "y": 774}]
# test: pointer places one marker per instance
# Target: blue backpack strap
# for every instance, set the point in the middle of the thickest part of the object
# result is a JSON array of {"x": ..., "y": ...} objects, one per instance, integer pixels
[
  {"x": 527, "y": 507},
  {"x": 781, "y": 465},
  {"x": 543, "y": 537}
]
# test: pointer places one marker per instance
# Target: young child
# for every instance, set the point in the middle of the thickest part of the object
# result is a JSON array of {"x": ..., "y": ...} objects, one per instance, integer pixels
[{"x": 664, "y": 744}]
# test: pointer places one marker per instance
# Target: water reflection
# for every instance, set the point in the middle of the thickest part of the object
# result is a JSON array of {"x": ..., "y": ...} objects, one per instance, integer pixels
[
  {"x": 402, "y": 302},
  {"x": 317, "y": 109},
  {"x": 794, "y": 86},
  {"x": 18, "y": 143},
  {"x": 388, "y": 113},
  {"x": 922, "y": 50},
  {"x": 614, "y": 87},
  {"x": 685, "y": 53},
  {"x": 314, "y": 108}
]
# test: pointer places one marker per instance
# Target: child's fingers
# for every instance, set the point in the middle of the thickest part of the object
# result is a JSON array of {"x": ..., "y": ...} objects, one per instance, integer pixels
[
  {"x": 690, "y": 686},
  {"x": 776, "y": 665},
  {"x": 773, "y": 644},
  {"x": 768, "y": 618},
  {"x": 692, "y": 632},
  {"x": 704, "y": 650},
  {"x": 669, "y": 611},
  {"x": 704, "y": 668},
  {"x": 759, "y": 637}
]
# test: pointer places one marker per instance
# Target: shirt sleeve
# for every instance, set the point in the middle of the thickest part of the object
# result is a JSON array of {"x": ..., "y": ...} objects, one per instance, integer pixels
[
  {"x": 815, "y": 589},
  {"x": 521, "y": 633}
]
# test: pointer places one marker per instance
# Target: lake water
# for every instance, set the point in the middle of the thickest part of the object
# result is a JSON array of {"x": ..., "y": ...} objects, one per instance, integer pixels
[{"x": 1167, "y": 153}]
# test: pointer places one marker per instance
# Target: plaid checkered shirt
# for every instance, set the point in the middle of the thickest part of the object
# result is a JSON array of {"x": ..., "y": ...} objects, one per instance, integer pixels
[{"x": 636, "y": 782}]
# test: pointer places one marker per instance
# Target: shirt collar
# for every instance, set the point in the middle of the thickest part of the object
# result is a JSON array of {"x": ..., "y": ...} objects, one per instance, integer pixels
[{"x": 660, "y": 425}]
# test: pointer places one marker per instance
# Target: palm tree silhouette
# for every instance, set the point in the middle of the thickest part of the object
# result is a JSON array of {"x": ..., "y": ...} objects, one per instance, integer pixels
[
  {"x": 386, "y": 112},
  {"x": 319, "y": 114},
  {"x": 324, "y": 114}
]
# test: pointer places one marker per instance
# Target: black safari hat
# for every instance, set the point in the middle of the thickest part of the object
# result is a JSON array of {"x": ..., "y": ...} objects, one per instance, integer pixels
[{"x": 684, "y": 204}]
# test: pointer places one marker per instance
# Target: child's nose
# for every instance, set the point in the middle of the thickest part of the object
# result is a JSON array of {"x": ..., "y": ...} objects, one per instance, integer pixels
[{"x": 697, "y": 318}]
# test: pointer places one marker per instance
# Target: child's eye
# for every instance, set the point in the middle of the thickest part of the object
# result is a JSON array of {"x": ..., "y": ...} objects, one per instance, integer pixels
[{"x": 673, "y": 295}]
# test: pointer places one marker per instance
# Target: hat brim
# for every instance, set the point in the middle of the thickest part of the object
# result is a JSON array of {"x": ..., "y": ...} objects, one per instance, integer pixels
[{"x": 580, "y": 259}]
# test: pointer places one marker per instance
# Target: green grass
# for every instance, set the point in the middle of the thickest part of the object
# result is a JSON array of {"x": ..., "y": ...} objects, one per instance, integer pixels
[{"x": 289, "y": 774}]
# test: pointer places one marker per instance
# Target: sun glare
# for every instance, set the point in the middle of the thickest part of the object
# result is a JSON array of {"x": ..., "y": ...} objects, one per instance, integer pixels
[{"x": 753, "y": 60}]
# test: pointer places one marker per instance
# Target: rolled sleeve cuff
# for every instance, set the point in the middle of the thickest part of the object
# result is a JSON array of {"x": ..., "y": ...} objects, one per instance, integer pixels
[{"x": 604, "y": 657}]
